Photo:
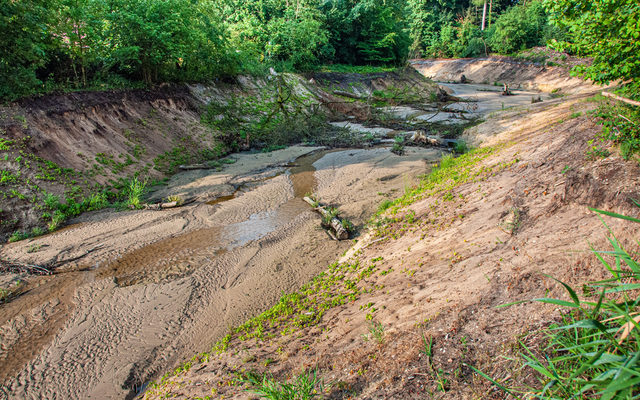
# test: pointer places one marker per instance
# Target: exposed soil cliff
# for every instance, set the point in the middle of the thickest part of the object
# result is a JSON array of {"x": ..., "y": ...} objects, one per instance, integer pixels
[{"x": 500, "y": 70}]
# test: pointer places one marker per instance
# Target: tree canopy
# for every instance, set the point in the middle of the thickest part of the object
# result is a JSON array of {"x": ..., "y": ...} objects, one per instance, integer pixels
[
  {"x": 607, "y": 30},
  {"x": 49, "y": 45}
]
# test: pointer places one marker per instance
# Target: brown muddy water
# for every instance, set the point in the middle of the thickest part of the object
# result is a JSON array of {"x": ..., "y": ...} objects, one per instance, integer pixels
[{"x": 169, "y": 255}]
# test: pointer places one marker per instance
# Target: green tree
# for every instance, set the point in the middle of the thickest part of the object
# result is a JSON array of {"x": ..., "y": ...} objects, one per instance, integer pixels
[
  {"x": 154, "y": 38},
  {"x": 78, "y": 30},
  {"x": 367, "y": 31},
  {"x": 607, "y": 30},
  {"x": 519, "y": 28},
  {"x": 24, "y": 39}
]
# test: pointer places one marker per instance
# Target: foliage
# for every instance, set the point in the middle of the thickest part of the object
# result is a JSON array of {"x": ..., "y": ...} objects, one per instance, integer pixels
[
  {"x": 23, "y": 44},
  {"x": 607, "y": 30},
  {"x": 330, "y": 214},
  {"x": 620, "y": 125},
  {"x": 305, "y": 386},
  {"x": 520, "y": 27},
  {"x": 447, "y": 28},
  {"x": 91, "y": 43},
  {"x": 398, "y": 146},
  {"x": 594, "y": 351},
  {"x": 367, "y": 31},
  {"x": 135, "y": 190},
  {"x": 277, "y": 116},
  {"x": 461, "y": 147}
]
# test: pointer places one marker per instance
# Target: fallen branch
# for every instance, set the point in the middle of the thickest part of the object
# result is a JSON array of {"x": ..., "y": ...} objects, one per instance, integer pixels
[
  {"x": 168, "y": 205},
  {"x": 341, "y": 232},
  {"x": 622, "y": 99},
  {"x": 12, "y": 266},
  {"x": 348, "y": 94},
  {"x": 194, "y": 166}
]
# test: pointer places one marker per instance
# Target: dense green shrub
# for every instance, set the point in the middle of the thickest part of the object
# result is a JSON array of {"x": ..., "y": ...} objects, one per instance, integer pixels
[
  {"x": 519, "y": 28},
  {"x": 607, "y": 30}
]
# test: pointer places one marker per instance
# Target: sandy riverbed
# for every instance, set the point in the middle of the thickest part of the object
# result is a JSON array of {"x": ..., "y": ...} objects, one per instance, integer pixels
[{"x": 158, "y": 284}]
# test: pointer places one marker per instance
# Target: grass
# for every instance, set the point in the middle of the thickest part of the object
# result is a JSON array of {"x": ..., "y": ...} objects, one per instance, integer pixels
[
  {"x": 178, "y": 199},
  {"x": 135, "y": 190},
  {"x": 376, "y": 332},
  {"x": 331, "y": 213},
  {"x": 398, "y": 146},
  {"x": 460, "y": 147},
  {"x": 305, "y": 386},
  {"x": 594, "y": 351}
]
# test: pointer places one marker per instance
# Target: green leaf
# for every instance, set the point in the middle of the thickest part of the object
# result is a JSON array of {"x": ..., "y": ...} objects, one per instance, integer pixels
[
  {"x": 563, "y": 303},
  {"x": 615, "y": 215}
]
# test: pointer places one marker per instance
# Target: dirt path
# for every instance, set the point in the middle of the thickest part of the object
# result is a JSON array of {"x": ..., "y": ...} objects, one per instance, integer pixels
[{"x": 158, "y": 285}]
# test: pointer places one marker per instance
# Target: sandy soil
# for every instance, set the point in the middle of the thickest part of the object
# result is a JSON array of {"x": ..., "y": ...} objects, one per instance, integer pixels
[
  {"x": 151, "y": 288},
  {"x": 441, "y": 265},
  {"x": 155, "y": 285},
  {"x": 490, "y": 70}
]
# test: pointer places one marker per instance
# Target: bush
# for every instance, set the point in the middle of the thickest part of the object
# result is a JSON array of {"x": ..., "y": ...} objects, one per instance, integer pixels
[
  {"x": 620, "y": 125},
  {"x": 520, "y": 27}
]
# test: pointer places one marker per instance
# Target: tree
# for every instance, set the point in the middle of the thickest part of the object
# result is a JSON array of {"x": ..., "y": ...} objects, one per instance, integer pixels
[
  {"x": 78, "y": 28},
  {"x": 607, "y": 30},
  {"x": 24, "y": 39},
  {"x": 518, "y": 28}
]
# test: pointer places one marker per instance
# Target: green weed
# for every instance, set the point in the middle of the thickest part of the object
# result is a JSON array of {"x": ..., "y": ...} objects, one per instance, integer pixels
[
  {"x": 305, "y": 386},
  {"x": 135, "y": 190},
  {"x": 593, "y": 352},
  {"x": 620, "y": 125},
  {"x": 376, "y": 332}
]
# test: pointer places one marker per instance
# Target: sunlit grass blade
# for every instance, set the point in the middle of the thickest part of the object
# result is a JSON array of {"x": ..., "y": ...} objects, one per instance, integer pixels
[
  {"x": 615, "y": 215},
  {"x": 497, "y": 384}
]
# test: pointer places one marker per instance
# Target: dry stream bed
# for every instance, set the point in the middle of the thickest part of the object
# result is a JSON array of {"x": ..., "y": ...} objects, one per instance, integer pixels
[{"x": 154, "y": 287}]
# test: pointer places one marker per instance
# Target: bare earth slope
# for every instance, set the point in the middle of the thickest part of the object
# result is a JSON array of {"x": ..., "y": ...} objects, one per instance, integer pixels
[
  {"x": 499, "y": 70},
  {"x": 437, "y": 267}
]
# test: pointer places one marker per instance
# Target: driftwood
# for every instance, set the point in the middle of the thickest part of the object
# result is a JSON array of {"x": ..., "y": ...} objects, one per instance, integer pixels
[
  {"x": 622, "y": 99},
  {"x": 45, "y": 269},
  {"x": 347, "y": 94},
  {"x": 168, "y": 205},
  {"x": 194, "y": 166},
  {"x": 335, "y": 223}
]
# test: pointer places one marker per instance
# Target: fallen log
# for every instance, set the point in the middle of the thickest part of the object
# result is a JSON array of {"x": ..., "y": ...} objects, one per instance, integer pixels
[
  {"x": 347, "y": 94},
  {"x": 336, "y": 225},
  {"x": 191, "y": 167},
  {"x": 169, "y": 204},
  {"x": 622, "y": 99}
]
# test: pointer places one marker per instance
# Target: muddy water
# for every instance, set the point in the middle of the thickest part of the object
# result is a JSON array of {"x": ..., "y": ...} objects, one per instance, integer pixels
[{"x": 176, "y": 256}]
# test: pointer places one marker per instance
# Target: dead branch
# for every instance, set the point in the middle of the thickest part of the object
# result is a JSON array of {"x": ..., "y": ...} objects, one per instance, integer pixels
[
  {"x": 341, "y": 232},
  {"x": 622, "y": 99},
  {"x": 16, "y": 267}
]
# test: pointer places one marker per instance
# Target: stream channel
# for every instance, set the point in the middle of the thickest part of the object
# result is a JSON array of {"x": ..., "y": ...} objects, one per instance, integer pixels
[
  {"x": 155, "y": 287},
  {"x": 149, "y": 289}
]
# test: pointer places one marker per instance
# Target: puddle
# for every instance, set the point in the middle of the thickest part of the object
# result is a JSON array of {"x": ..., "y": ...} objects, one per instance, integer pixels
[
  {"x": 175, "y": 257},
  {"x": 222, "y": 199}
]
